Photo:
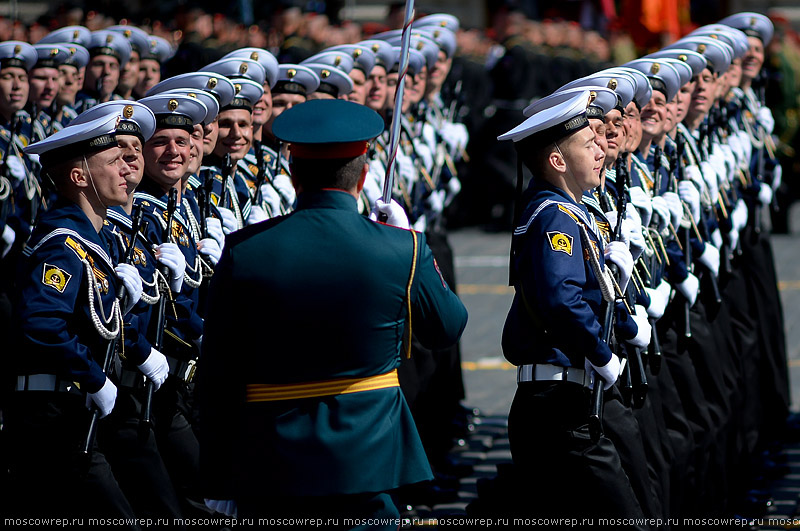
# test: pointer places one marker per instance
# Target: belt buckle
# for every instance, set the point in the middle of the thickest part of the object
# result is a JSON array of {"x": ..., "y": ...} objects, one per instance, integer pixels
[
  {"x": 565, "y": 374},
  {"x": 190, "y": 368}
]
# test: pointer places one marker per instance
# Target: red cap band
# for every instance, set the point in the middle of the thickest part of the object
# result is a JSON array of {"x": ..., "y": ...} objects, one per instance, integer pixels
[{"x": 339, "y": 150}]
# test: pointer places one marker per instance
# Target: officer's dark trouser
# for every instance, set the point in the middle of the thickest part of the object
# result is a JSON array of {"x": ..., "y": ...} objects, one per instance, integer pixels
[
  {"x": 49, "y": 479},
  {"x": 374, "y": 512},
  {"x": 773, "y": 373},
  {"x": 564, "y": 473},
  {"x": 134, "y": 455}
]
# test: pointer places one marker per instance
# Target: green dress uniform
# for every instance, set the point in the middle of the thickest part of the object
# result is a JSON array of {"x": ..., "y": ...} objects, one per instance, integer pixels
[
  {"x": 335, "y": 290},
  {"x": 319, "y": 414}
]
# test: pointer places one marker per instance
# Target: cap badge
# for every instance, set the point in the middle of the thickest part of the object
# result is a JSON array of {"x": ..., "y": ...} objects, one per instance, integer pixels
[
  {"x": 701, "y": 48},
  {"x": 153, "y": 43},
  {"x": 291, "y": 73},
  {"x": 753, "y": 21},
  {"x": 325, "y": 74},
  {"x": 53, "y": 52},
  {"x": 714, "y": 36},
  {"x": 17, "y": 49},
  {"x": 192, "y": 95},
  {"x": 254, "y": 56},
  {"x": 592, "y": 97},
  {"x": 127, "y": 34},
  {"x": 73, "y": 51},
  {"x": 127, "y": 111},
  {"x": 337, "y": 60},
  {"x": 443, "y": 23},
  {"x": 436, "y": 34},
  {"x": 655, "y": 68},
  {"x": 683, "y": 58},
  {"x": 243, "y": 68},
  {"x": 238, "y": 88},
  {"x": 376, "y": 47},
  {"x": 172, "y": 105},
  {"x": 357, "y": 52},
  {"x": 212, "y": 83},
  {"x": 76, "y": 34},
  {"x": 420, "y": 45},
  {"x": 612, "y": 84},
  {"x": 109, "y": 39}
]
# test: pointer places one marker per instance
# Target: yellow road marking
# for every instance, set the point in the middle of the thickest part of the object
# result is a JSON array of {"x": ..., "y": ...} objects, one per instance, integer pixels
[
  {"x": 484, "y": 289},
  {"x": 487, "y": 365}
]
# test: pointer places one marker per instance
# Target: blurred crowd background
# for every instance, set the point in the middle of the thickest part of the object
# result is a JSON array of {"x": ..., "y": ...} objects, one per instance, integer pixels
[{"x": 510, "y": 52}]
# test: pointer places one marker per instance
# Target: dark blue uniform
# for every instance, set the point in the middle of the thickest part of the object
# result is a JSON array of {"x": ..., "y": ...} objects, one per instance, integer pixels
[
  {"x": 67, "y": 294},
  {"x": 554, "y": 324}
]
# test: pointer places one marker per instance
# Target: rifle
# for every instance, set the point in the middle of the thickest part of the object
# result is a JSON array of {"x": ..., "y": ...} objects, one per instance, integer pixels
[
  {"x": 145, "y": 423},
  {"x": 687, "y": 249},
  {"x": 4, "y": 173},
  {"x": 261, "y": 177},
  {"x": 91, "y": 434},
  {"x": 227, "y": 170}
]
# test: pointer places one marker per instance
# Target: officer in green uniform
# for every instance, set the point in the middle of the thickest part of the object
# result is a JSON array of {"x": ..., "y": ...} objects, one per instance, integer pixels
[{"x": 317, "y": 424}]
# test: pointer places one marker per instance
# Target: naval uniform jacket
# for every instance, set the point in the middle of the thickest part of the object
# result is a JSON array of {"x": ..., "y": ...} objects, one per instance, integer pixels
[
  {"x": 53, "y": 316},
  {"x": 331, "y": 287},
  {"x": 554, "y": 317}
]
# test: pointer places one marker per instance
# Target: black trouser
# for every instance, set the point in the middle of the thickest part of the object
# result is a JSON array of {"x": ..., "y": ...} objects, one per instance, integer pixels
[
  {"x": 133, "y": 453},
  {"x": 49, "y": 478},
  {"x": 564, "y": 472}
]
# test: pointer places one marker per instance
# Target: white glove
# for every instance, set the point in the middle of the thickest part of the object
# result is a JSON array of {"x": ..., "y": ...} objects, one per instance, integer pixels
[
  {"x": 257, "y": 215},
  {"x": 8, "y": 238},
  {"x": 171, "y": 256},
  {"x": 765, "y": 194},
  {"x": 735, "y": 145},
  {"x": 453, "y": 188},
  {"x": 132, "y": 282},
  {"x": 716, "y": 238},
  {"x": 695, "y": 174},
  {"x": 765, "y": 119},
  {"x": 229, "y": 223},
  {"x": 675, "y": 207},
  {"x": 608, "y": 372},
  {"x": 777, "y": 177},
  {"x": 214, "y": 229},
  {"x": 710, "y": 176},
  {"x": 226, "y": 507},
  {"x": 717, "y": 159},
  {"x": 436, "y": 201},
  {"x": 396, "y": 216},
  {"x": 689, "y": 288},
  {"x": 659, "y": 298},
  {"x": 636, "y": 239},
  {"x": 156, "y": 368},
  {"x": 210, "y": 248},
  {"x": 633, "y": 214},
  {"x": 612, "y": 222},
  {"x": 661, "y": 208},
  {"x": 421, "y": 225},
  {"x": 455, "y": 135},
  {"x": 642, "y": 338},
  {"x": 747, "y": 148},
  {"x": 618, "y": 253},
  {"x": 283, "y": 184},
  {"x": 15, "y": 167},
  {"x": 710, "y": 258},
  {"x": 642, "y": 201},
  {"x": 105, "y": 398},
  {"x": 730, "y": 160},
  {"x": 270, "y": 196},
  {"x": 733, "y": 238},
  {"x": 739, "y": 215},
  {"x": 689, "y": 193}
]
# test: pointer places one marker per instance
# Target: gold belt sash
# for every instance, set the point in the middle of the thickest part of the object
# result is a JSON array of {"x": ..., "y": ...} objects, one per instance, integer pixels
[{"x": 341, "y": 386}]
